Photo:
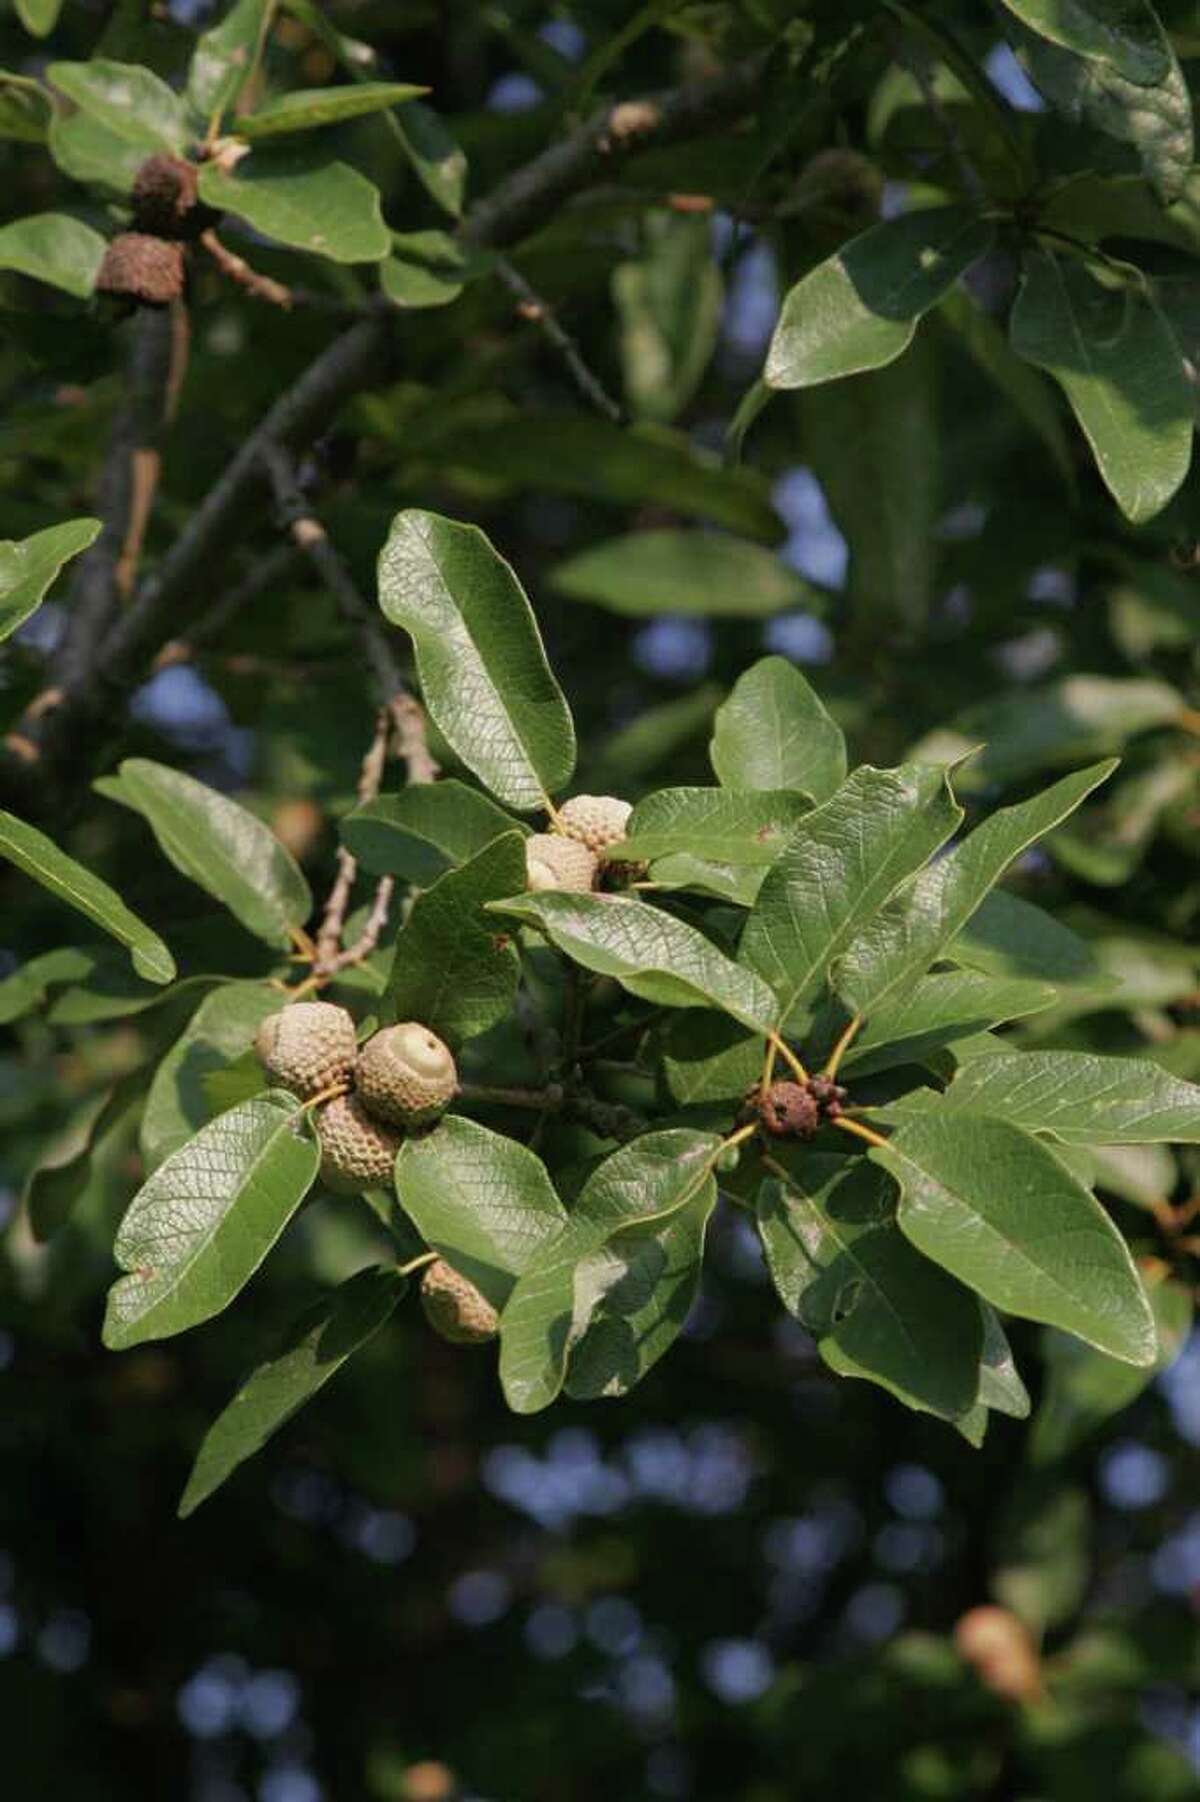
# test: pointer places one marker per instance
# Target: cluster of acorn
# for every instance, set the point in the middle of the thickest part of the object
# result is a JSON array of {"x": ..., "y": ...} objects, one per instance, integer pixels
[
  {"x": 400, "y": 1080},
  {"x": 147, "y": 263},
  {"x": 569, "y": 856}
]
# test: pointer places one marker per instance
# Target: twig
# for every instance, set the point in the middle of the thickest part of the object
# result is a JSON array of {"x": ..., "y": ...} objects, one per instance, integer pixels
[
  {"x": 532, "y": 306},
  {"x": 95, "y": 586},
  {"x": 521, "y": 202},
  {"x": 238, "y": 270},
  {"x": 272, "y": 567},
  {"x": 333, "y": 920},
  {"x": 859, "y": 1130},
  {"x": 609, "y": 1120},
  {"x": 310, "y": 537}
]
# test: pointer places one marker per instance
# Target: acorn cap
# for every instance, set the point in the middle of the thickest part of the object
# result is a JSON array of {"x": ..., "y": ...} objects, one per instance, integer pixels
[
  {"x": 552, "y": 862},
  {"x": 308, "y": 1046},
  {"x": 454, "y": 1307},
  {"x": 596, "y": 821},
  {"x": 405, "y": 1074},
  {"x": 142, "y": 268},
  {"x": 165, "y": 199},
  {"x": 357, "y": 1151}
]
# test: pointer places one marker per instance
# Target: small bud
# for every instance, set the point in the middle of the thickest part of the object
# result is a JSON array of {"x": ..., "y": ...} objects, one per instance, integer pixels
[
  {"x": 357, "y": 1151},
  {"x": 455, "y": 1308},
  {"x": 558, "y": 863},
  {"x": 406, "y": 1075},
  {"x": 143, "y": 268},
  {"x": 308, "y": 1046}
]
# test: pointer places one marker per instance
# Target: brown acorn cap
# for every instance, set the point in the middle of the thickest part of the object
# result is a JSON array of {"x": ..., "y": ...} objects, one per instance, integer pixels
[
  {"x": 142, "y": 268},
  {"x": 165, "y": 200}
]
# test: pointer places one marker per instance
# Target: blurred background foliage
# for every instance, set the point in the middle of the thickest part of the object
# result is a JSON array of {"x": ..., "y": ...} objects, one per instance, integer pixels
[{"x": 743, "y": 1582}]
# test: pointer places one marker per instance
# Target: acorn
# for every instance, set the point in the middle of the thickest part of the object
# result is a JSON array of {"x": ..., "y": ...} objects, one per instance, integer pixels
[
  {"x": 357, "y": 1151},
  {"x": 596, "y": 821},
  {"x": 454, "y": 1307},
  {"x": 308, "y": 1046},
  {"x": 406, "y": 1075},
  {"x": 165, "y": 198},
  {"x": 788, "y": 1110},
  {"x": 552, "y": 862},
  {"x": 142, "y": 268}
]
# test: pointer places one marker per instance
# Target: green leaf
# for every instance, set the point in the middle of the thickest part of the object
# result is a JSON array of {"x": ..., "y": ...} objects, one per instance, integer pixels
[
  {"x": 1106, "y": 844},
  {"x": 859, "y": 309},
  {"x": 1083, "y": 1388},
  {"x": 1120, "y": 366},
  {"x": 440, "y": 165},
  {"x": 224, "y": 848},
  {"x": 39, "y": 17},
  {"x": 637, "y": 1290},
  {"x": 1061, "y": 722},
  {"x": 876, "y": 446},
  {"x": 746, "y": 827},
  {"x": 199, "y": 1228},
  {"x": 87, "y": 151},
  {"x": 302, "y": 198},
  {"x": 98, "y": 1142},
  {"x": 1009, "y": 936},
  {"x": 645, "y": 1182},
  {"x": 638, "y": 466},
  {"x": 483, "y": 1201},
  {"x": 220, "y": 1030},
  {"x": 28, "y": 567},
  {"x": 1080, "y": 1098},
  {"x": 939, "y": 1009},
  {"x": 424, "y": 830},
  {"x": 704, "y": 573},
  {"x": 225, "y": 58},
  {"x": 483, "y": 671},
  {"x": 1124, "y": 33},
  {"x": 649, "y": 952},
  {"x": 28, "y": 987},
  {"x": 127, "y": 100},
  {"x": 454, "y": 969},
  {"x": 306, "y": 109},
  {"x": 317, "y": 1347},
  {"x": 736, "y": 882},
  {"x": 53, "y": 248},
  {"x": 425, "y": 269},
  {"x": 1000, "y": 1385},
  {"x": 996, "y": 1208},
  {"x": 668, "y": 304},
  {"x": 1153, "y": 116},
  {"x": 877, "y": 1309},
  {"x": 774, "y": 732},
  {"x": 709, "y": 1057},
  {"x": 39, "y": 857},
  {"x": 918, "y": 925},
  {"x": 844, "y": 861},
  {"x": 25, "y": 110}
]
